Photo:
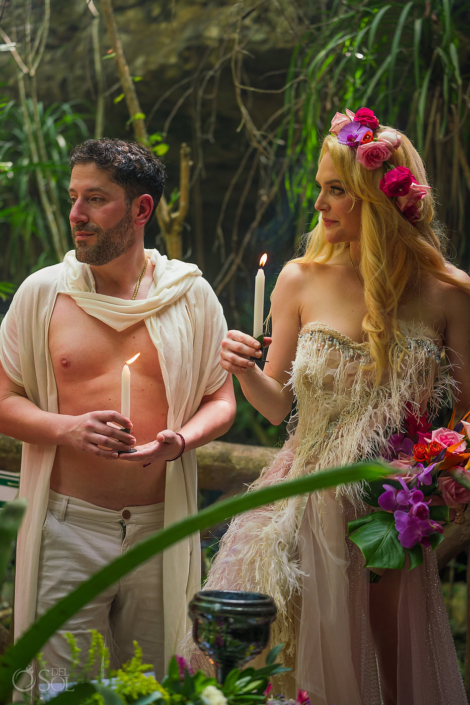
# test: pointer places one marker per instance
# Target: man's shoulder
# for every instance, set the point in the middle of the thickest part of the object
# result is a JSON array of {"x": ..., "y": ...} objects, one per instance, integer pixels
[
  {"x": 202, "y": 292},
  {"x": 42, "y": 281},
  {"x": 47, "y": 277}
]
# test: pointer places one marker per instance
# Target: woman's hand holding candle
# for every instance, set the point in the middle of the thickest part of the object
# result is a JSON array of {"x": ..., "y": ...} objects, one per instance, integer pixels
[{"x": 237, "y": 350}]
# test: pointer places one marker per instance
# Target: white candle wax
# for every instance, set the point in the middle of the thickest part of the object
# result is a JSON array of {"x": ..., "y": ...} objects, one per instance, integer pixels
[
  {"x": 258, "y": 318},
  {"x": 126, "y": 391}
]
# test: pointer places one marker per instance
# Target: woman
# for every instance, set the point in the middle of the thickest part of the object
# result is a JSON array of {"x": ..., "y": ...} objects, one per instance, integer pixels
[{"x": 358, "y": 326}]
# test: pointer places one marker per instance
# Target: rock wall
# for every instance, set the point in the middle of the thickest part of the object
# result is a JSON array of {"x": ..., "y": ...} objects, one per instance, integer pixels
[{"x": 171, "y": 44}]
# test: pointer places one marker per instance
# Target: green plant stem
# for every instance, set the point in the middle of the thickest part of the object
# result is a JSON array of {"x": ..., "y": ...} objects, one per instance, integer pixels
[
  {"x": 23, "y": 652},
  {"x": 99, "y": 121},
  {"x": 45, "y": 202},
  {"x": 53, "y": 195}
]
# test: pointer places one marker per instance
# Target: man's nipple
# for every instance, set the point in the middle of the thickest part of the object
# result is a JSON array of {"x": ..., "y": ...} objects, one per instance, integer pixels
[{"x": 65, "y": 362}]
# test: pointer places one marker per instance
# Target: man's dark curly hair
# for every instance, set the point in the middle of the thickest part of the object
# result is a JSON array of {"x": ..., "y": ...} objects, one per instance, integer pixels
[{"x": 130, "y": 165}]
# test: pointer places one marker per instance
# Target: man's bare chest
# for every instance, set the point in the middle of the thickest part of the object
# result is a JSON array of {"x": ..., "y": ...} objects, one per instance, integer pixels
[{"x": 83, "y": 348}]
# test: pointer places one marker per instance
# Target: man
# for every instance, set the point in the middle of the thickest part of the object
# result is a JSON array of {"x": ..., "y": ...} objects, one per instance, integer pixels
[{"x": 63, "y": 344}]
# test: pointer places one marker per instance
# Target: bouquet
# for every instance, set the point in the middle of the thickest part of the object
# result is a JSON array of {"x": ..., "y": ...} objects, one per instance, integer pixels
[{"x": 410, "y": 507}]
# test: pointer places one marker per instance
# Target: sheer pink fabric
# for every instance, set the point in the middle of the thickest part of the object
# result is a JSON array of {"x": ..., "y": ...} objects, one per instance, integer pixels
[{"x": 297, "y": 551}]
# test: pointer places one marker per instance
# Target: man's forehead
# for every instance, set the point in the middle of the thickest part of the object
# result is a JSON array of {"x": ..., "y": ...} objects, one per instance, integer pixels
[
  {"x": 88, "y": 189},
  {"x": 88, "y": 177}
]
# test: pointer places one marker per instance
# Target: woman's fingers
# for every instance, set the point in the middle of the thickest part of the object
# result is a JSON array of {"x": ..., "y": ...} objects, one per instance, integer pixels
[
  {"x": 239, "y": 337},
  {"x": 230, "y": 346},
  {"x": 237, "y": 369}
]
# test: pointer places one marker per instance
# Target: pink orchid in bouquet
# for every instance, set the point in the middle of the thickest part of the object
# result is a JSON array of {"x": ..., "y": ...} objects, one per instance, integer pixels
[{"x": 433, "y": 475}]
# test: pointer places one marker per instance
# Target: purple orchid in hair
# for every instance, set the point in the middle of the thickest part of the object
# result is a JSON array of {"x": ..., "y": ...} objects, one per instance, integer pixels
[{"x": 352, "y": 134}]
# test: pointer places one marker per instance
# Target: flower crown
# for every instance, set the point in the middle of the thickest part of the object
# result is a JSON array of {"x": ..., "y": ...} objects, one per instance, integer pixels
[{"x": 359, "y": 131}]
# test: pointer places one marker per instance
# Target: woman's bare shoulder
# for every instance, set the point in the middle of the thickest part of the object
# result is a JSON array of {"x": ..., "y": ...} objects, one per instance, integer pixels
[
  {"x": 459, "y": 274},
  {"x": 295, "y": 273}
]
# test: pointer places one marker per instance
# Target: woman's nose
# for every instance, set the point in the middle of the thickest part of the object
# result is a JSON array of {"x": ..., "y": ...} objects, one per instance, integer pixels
[{"x": 321, "y": 204}]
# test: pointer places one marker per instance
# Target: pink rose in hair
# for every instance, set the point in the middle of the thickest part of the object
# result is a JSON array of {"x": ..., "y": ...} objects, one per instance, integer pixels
[
  {"x": 416, "y": 193},
  {"x": 367, "y": 118},
  {"x": 397, "y": 182},
  {"x": 373, "y": 154},
  {"x": 391, "y": 137},
  {"x": 339, "y": 121},
  {"x": 452, "y": 492},
  {"x": 350, "y": 114}
]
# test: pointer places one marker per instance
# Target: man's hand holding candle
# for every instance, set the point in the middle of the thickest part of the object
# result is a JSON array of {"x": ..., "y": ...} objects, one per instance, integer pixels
[{"x": 92, "y": 434}]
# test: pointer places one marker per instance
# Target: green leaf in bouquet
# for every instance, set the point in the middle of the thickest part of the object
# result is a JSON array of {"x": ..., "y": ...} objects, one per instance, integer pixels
[
  {"x": 357, "y": 523},
  {"x": 435, "y": 540},
  {"x": 378, "y": 541},
  {"x": 439, "y": 513},
  {"x": 415, "y": 555}
]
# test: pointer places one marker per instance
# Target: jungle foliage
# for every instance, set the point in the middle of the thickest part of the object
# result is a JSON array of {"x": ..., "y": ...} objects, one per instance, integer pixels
[{"x": 409, "y": 63}]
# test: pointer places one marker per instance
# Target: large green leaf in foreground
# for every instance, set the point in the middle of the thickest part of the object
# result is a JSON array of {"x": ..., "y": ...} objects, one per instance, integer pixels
[{"x": 23, "y": 652}]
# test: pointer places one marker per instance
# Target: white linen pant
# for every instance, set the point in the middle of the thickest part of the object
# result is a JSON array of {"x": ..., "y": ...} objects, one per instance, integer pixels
[{"x": 79, "y": 539}]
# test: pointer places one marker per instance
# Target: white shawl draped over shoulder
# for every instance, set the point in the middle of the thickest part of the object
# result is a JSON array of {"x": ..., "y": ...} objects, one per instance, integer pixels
[{"x": 186, "y": 324}]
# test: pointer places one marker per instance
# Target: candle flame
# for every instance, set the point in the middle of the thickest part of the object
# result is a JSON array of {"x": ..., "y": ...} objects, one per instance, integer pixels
[
  {"x": 133, "y": 359},
  {"x": 263, "y": 260}
]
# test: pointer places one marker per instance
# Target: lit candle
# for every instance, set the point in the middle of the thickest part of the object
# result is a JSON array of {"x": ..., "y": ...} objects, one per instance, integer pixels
[
  {"x": 258, "y": 318},
  {"x": 126, "y": 388}
]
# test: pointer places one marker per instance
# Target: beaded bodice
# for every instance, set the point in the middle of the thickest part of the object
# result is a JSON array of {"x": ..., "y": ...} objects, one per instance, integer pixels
[{"x": 341, "y": 416}]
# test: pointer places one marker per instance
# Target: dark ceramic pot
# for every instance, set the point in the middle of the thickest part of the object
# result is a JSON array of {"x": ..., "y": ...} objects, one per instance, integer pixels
[{"x": 231, "y": 627}]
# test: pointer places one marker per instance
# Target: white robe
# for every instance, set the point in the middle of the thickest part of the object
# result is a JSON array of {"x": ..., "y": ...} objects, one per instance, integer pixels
[{"x": 186, "y": 324}]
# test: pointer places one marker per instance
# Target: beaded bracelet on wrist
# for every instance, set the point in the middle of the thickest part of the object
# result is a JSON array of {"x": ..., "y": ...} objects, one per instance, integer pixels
[{"x": 181, "y": 451}]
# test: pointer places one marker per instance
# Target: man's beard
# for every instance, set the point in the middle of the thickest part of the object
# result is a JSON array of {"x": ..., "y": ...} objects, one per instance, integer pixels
[{"x": 109, "y": 245}]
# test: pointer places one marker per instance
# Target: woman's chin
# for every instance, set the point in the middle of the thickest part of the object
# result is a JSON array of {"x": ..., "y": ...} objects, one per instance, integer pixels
[{"x": 334, "y": 238}]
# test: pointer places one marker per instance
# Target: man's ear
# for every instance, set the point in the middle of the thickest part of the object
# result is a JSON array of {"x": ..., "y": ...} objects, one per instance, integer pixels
[{"x": 143, "y": 206}]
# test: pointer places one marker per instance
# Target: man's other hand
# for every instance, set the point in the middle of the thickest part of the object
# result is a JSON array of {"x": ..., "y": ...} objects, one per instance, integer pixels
[{"x": 166, "y": 447}]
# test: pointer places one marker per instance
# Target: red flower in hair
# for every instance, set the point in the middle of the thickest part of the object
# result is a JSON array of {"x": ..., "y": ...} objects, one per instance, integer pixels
[
  {"x": 367, "y": 137},
  {"x": 367, "y": 118},
  {"x": 397, "y": 182},
  {"x": 412, "y": 214}
]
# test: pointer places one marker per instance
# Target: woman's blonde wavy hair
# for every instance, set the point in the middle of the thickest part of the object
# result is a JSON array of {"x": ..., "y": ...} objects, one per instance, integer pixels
[{"x": 393, "y": 250}]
